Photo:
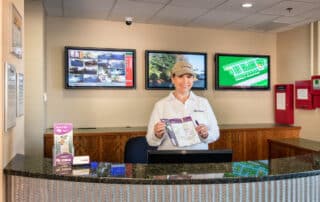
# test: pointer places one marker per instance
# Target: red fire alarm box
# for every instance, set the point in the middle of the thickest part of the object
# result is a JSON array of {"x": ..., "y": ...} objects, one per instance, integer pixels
[
  {"x": 284, "y": 104},
  {"x": 315, "y": 90},
  {"x": 303, "y": 94}
]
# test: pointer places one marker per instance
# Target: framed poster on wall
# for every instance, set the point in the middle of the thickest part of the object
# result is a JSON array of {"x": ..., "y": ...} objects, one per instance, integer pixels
[
  {"x": 20, "y": 94},
  {"x": 16, "y": 35},
  {"x": 10, "y": 90}
]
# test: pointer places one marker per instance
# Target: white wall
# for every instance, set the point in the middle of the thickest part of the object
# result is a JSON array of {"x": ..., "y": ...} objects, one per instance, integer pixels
[
  {"x": 35, "y": 77},
  {"x": 11, "y": 142},
  {"x": 293, "y": 53},
  {"x": 103, "y": 108},
  {"x": 1, "y": 111}
]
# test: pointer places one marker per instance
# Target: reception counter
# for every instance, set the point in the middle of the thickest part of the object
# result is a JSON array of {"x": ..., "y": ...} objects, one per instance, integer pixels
[{"x": 284, "y": 179}]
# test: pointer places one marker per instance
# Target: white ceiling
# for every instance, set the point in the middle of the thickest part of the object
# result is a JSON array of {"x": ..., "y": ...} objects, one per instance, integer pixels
[{"x": 265, "y": 15}]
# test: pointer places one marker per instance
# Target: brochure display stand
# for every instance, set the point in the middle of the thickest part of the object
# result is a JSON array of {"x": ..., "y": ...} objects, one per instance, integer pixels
[
  {"x": 283, "y": 99},
  {"x": 304, "y": 98},
  {"x": 315, "y": 90},
  {"x": 63, "y": 150}
]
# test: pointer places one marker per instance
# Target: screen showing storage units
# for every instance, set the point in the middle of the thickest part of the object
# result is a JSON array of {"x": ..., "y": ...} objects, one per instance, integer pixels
[{"x": 242, "y": 71}]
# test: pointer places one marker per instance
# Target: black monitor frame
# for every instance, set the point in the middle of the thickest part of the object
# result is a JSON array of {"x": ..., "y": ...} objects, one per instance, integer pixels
[{"x": 189, "y": 156}]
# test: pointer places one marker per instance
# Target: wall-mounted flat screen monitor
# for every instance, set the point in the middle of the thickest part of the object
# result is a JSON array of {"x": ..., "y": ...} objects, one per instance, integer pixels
[
  {"x": 160, "y": 63},
  {"x": 242, "y": 72},
  {"x": 189, "y": 156},
  {"x": 99, "y": 68}
]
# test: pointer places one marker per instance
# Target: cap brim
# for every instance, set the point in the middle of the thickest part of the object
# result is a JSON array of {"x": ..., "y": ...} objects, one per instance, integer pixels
[{"x": 184, "y": 72}]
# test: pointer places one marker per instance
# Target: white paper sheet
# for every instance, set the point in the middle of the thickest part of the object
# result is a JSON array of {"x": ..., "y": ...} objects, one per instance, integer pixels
[
  {"x": 281, "y": 101},
  {"x": 302, "y": 94}
]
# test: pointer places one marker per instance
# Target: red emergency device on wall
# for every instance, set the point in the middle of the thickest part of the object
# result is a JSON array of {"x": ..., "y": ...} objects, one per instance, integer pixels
[
  {"x": 303, "y": 94},
  {"x": 283, "y": 99},
  {"x": 315, "y": 90}
]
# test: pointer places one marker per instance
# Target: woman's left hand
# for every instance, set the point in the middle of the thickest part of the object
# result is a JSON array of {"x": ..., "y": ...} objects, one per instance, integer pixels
[{"x": 202, "y": 130}]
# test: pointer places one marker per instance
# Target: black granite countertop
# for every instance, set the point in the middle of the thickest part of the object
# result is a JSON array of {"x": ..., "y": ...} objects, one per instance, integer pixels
[{"x": 212, "y": 173}]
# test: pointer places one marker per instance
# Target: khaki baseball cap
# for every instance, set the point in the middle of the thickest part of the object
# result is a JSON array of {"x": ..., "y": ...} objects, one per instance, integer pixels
[{"x": 181, "y": 68}]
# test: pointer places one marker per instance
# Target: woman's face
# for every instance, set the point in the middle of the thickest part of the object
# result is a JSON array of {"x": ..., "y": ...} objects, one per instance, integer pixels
[{"x": 183, "y": 83}]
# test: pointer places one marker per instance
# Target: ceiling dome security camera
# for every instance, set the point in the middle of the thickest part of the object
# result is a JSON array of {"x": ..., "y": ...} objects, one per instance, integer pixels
[{"x": 128, "y": 20}]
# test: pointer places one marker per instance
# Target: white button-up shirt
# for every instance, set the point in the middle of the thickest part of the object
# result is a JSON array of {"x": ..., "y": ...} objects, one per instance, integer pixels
[{"x": 170, "y": 107}]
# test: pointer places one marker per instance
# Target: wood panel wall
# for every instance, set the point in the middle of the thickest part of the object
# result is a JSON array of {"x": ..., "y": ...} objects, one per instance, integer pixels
[{"x": 246, "y": 141}]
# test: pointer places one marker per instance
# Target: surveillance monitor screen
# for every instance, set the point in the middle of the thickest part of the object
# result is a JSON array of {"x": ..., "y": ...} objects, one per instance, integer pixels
[{"x": 99, "y": 68}]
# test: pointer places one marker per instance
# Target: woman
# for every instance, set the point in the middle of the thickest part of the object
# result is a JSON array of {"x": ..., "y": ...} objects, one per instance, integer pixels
[{"x": 181, "y": 103}]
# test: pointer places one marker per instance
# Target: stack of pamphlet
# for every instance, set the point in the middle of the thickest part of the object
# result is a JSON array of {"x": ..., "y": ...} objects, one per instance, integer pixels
[{"x": 63, "y": 150}]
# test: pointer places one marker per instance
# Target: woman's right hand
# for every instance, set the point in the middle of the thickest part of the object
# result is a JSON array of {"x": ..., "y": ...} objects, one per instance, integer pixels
[{"x": 159, "y": 129}]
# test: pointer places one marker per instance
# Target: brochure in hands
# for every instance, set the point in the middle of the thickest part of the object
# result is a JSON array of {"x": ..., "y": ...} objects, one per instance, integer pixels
[{"x": 182, "y": 131}]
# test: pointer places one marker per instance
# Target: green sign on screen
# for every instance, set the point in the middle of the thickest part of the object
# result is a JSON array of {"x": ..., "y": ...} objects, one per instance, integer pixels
[{"x": 243, "y": 71}]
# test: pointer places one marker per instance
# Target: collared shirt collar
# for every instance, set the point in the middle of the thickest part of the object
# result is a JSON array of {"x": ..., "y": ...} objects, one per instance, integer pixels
[{"x": 191, "y": 97}]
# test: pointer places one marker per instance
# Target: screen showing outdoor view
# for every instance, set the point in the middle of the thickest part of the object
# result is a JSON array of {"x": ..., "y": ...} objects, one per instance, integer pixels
[
  {"x": 99, "y": 68},
  {"x": 242, "y": 71},
  {"x": 160, "y": 63}
]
